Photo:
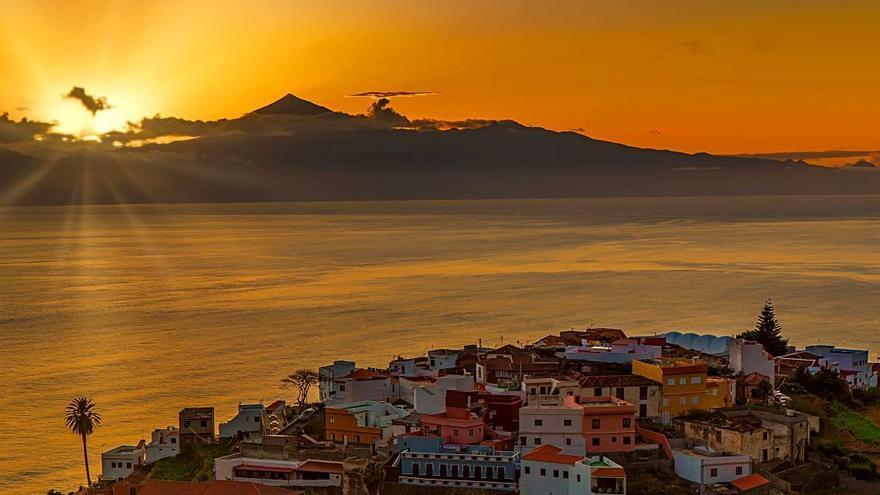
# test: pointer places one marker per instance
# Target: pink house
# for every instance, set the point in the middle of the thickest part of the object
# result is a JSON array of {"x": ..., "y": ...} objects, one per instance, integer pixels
[
  {"x": 456, "y": 426},
  {"x": 609, "y": 424}
]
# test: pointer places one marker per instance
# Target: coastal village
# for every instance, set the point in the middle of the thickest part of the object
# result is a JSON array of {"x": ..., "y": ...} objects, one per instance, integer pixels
[{"x": 577, "y": 412}]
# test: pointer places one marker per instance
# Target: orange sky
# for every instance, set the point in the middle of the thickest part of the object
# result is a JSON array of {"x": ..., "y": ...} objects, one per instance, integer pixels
[{"x": 725, "y": 77}]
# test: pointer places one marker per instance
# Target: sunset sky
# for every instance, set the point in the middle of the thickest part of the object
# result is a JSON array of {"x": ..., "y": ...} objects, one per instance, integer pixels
[{"x": 724, "y": 77}]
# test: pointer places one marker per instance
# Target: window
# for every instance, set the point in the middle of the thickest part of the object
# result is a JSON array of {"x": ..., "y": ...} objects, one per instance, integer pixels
[
  {"x": 713, "y": 472},
  {"x": 429, "y": 470},
  {"x": 523, "y": 440},
  {"x": 537, "y": 440},
  {"x": 333, "y": 436},
  {"x": 332, "y": 419},
  {"x": 613, "y": 439},
  {"x": 455, "y": 432},
  {"x": 539, "y": 422},
  {"x": 128, "y": 465},
  {"x": 670, "y": 381},
  {"x": 764, "y": 455},
  {"x": 442, "y": 470},
  {"x": 597, "y": 424},
  {"x": 568, "y": 441},
  {"x": 465, "y": 471},
  {"x": 112, "y": 464},
  {"x": 739, "y": 470},
  {"x": 501, "y": 474},
  {"x": 532, "y": 391},
  {"x": 682, "y": 400},
  {"x": 627, "y": 422},
  {"x": 627, "y": 440},
  {"x": 643, "y": 410},
  {"x": 695, "y": 399},
  {"x": 619, "y": 393},
  {"x": 543, "y": 472},
  {"x": 471, "y": 432},
  {"x": 597, "y": 391},
  {"x": 579, "y": 478},
  {"x": 665, "y": 402},
  {"x": 566, "y": 422},
  {"x": 186, "y": 424},
  {"x": 695, "y": 380},
  {"x": 415, "y": 469},
  {"x": 204, "y": 423},
  {"x": 257, "y": 419},
  {"x": 173, "y": 440},
  {"x": 643, "y": 393},
  {"x": 527, "y": 469},
  {"x": 595, "y": 441},
  {"x": 765, "y": 435},
  {"x": 357, "y": 439},
  {"x": 683, "y": 380},
  {"x": 565, "y": 475}
]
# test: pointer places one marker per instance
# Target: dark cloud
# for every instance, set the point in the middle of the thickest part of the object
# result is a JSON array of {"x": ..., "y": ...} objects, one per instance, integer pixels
[
  {"x": 91, "y": 103},
  {"x": 392, "y": 94},
  {"x": 381, "y": 110},
  {"x": 23, "y": 130}
]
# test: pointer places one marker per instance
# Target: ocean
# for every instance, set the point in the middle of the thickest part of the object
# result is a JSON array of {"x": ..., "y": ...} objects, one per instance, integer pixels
[{"x": 151, "y": 308}]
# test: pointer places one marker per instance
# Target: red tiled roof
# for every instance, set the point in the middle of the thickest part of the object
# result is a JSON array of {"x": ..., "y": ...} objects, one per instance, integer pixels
[
  {"x": 362, "y": 374},
  {"x": 614, "y": 381},
  {"x": 550, "y": 453},
  {"x": 216, "y": 487},
  {"x": 275, "y": 405},
  {"x": 748, "y": 482},
  {"x": 610, "y": 472}
]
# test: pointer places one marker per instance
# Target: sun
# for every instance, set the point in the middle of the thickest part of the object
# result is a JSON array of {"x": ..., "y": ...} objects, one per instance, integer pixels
[{"x": 72, "y": 118}]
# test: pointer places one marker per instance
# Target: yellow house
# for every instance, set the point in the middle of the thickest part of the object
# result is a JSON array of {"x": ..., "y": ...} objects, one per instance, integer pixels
[{"x": 685, "y": 385}]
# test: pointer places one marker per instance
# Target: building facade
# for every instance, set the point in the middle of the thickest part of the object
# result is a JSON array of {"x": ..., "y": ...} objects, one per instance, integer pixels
[
  {"x": 748, "y": 357},
  {"x": 638, "y": 390},
  {"x": 291, "y": 474},
  {"x": 120, "y": 462},
  {"x": 705, "y": 466},
  {"x": 164, "y": 442},
  {"x": 427, "y": 461},
  {"x": 685, "y": 385},
  {"x": 247, "y": 422},
  {"x": 360, "y": 423},
  {"x": 196, "y": 425}
]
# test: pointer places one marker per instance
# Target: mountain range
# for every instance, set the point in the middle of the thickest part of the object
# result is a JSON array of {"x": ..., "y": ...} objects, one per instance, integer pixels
[{"x": 293, "y": 150}]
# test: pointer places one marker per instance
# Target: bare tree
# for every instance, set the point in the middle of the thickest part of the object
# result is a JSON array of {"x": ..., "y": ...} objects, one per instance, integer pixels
[{"x": 302, "y": 381}]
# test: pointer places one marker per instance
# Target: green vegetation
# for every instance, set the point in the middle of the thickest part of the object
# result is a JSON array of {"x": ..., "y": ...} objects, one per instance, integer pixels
[
  {"x": 768, "y": 332},
  {"x": 859, "y": 425},
  {"x": 194, "y": 463}
]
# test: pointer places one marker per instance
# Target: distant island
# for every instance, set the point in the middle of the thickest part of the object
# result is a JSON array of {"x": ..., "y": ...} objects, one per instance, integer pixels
[{"x": 296, "y": 150}]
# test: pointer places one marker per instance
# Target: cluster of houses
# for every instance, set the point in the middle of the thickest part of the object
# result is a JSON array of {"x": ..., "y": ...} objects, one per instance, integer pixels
[{"x": 573, "y": 413}]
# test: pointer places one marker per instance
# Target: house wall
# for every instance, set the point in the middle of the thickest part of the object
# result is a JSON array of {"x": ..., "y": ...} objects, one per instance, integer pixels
[
  {"x": 552, "y": 429},
  {"x": 118, "y": 466},
  {"x": 246, "y": 421},
  {"x": 326, "y": 375},
  {"x": 757, "y": 443},
  {"x": 633, "y": 396},
  {"x": 750, "y": 357},
  {"x": 544, "y": 478},
  {"x": 466, "y": 470},
  {"x": 612, "y": 435},
  {"x": 342, "y": 427},
  {"x": 698, "y": 469}
]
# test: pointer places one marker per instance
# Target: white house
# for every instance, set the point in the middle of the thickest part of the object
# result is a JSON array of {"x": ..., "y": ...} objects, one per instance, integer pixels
[
  {"x": 360, "y": 385},
  {"x": 293, "y": 474},
  {"x": 749, "y": 357},
  {"x": 164, "y": 442},
  {"x": 245, "y": 423},
  {"x": 121, "y": 461},
  {"x": 431, "y": 398},
  {"x": 442, "y": 359},
  {"x": 327, "y": 375},
  {"x": 851, "y": 363},
  {"x": 705, "y": 466},
  {"x": 547, "y": 471},
  {"x": 560, "y": 425}
]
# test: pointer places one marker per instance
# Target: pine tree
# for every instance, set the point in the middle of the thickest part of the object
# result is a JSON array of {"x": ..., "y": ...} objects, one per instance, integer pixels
[{"x": 768, "y": 332}]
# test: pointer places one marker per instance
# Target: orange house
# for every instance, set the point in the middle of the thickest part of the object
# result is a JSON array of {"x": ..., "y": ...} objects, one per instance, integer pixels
[
  {"x": 609, "y": 424},
  {"x": 686, "y": 385},
  {"x": 341, "y": 426}
]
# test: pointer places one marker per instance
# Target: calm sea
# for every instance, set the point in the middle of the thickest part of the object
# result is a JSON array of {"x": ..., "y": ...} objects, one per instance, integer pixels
[{"x": 148, "y": 309}]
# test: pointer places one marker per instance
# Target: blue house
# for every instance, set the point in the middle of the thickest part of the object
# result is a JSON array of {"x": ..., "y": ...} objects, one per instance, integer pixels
[{"x": 426, "y": 461}]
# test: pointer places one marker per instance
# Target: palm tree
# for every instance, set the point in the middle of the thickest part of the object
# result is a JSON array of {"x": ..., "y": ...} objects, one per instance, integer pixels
[
  {"x": 82, "y": 419},
  {"x": 372, "y": 476}
]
